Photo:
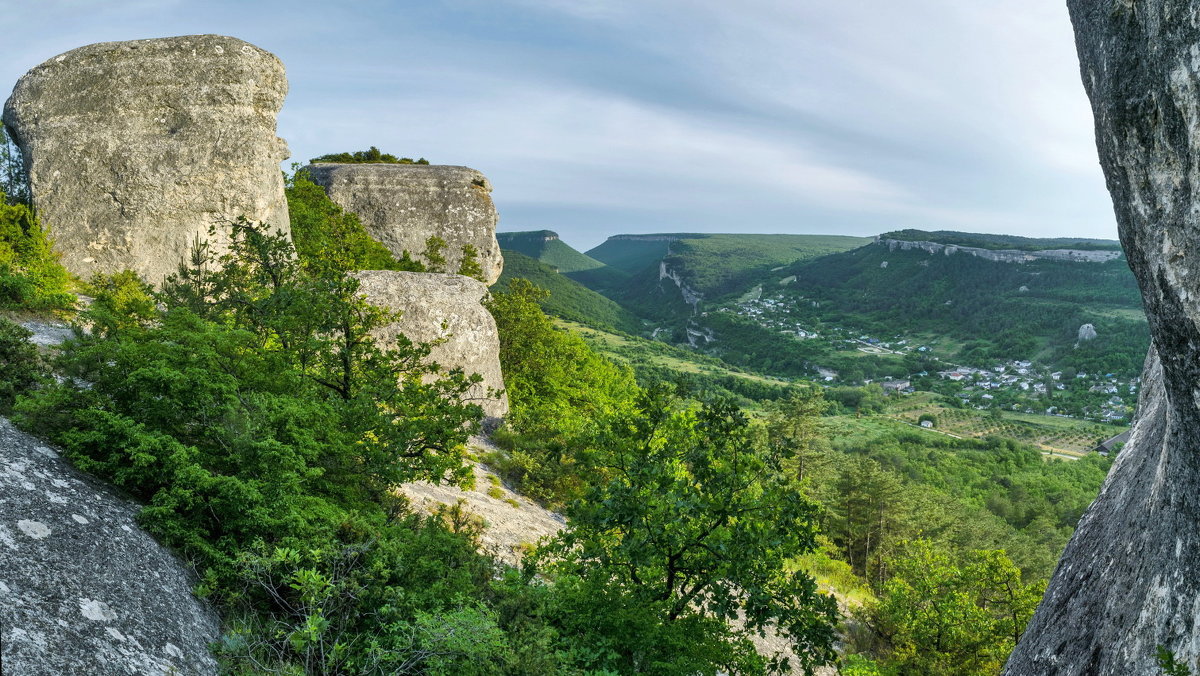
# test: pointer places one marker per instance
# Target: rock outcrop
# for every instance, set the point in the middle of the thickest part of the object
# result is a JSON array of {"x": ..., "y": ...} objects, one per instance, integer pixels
[
  {"x": 134, "y": 149},
  {"x": 403, "y": 205},
  {"x": 1129, "y": 579},
  {"x": 1086, "y": 332},
  {"x": 1002, "y": 255},
  {"x": 82, "y": 589},
  {"x": 446, "y": 308}
]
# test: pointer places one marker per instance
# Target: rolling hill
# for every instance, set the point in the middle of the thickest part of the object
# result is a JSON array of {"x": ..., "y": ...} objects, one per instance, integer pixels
[
  {"x": 568, "y": 299},
  {"x": 545, "y": 246}
]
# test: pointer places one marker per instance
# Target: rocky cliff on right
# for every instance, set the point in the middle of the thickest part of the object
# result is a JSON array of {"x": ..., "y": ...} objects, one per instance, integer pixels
[{"x": 1129, "y": 580}]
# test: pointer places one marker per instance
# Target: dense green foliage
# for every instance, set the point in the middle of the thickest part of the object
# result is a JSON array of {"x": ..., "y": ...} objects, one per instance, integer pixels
[
  {"x": 994, "y": 493},
  {"x": 370, "y": 156},
  {"x": 995, "y": 242},
  {"x": 940, "y": 615},
  {"x": 694, "y": 526},
  {"x": 250, "y": 411},
  {"x": 568, "y": 299},
  {"x": 21, "y": 366},
  {"x": 982, "y": 304},
  {"x": 30, "y": 275},
  {"x": 557, "y": 387},
  {"x": 327, "y": 235}
]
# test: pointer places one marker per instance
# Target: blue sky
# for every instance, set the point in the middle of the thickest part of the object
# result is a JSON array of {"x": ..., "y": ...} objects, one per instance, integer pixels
[{"x": 595, "y": 117}]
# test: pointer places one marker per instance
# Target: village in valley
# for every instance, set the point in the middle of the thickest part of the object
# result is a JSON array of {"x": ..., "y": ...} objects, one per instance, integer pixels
[{"x": 909, "y": 366}]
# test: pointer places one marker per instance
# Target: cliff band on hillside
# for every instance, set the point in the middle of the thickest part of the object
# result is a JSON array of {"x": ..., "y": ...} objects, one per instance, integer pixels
[
  {"x": 134, "y": 149},
  {"x": 446, "y": 308},
  {"x": 1003, "y": 255},
  {"x": 403, "y": 205},
  {"x": 83, "y": 590},
  {"x": 1130, "y": 578}
]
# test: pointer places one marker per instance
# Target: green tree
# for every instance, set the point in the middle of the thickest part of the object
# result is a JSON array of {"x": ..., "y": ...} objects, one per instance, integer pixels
[
  {"x": 558, "y": 388},
  {"x": 470, "y": 266},
  {"x": 794, "y": 426},
  {"x": 31, "y": 276},
  {"x": 943, "y": 617},
  {"x": 326, "y": 235},
  {"x": 434, "y": 254},
  {"x": 249, "y": 403},
  {"x": 690, "y": 522}
]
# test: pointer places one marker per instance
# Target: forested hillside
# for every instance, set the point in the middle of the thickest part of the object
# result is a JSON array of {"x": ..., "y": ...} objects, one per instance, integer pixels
[
  {"x": 546, "y": 247},
  {"x": 568, "y": 298},
  {"x": 997, "y": 310}
]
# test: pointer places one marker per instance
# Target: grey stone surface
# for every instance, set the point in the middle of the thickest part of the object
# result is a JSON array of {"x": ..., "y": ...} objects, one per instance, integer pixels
[
  {"x": 1086, "y": 332},
  {"x": 447, "y": 308},
  {"x": 403, "y": 205},
  {"x": 135, "y": 148},
  {"x": 1129, "y": 580},
  {"x": 82, "y": 589}
]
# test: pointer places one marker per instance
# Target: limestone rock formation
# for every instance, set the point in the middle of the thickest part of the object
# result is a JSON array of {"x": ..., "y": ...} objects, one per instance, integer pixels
[
  {"x": 403, "y": 205},
  {"x": 1002, "y": 255},
  {"x": 1086, "y": 332},
  {"x": 136, "y": 148},
  {"x": 1130, "y": 577},
  {"x": 82, "y": 589},
  {"x": 443, "y": 307}
]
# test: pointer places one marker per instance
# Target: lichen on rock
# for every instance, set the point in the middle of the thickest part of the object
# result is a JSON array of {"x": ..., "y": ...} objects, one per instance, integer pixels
[
  {"x": 403, "y": 205},
  {"x": 82, "y": 589},
  {"x": 134, "y": 149}
]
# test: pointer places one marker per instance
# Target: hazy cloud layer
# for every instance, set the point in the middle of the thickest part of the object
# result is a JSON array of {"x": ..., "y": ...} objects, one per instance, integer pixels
[{"x": 594, "y": 117}]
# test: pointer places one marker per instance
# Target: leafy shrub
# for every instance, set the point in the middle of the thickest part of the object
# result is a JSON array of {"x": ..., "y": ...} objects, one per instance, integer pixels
[
  {"x": 30, "y": 275},
  {"x": 246, "y": 405},
  {"x": 329, "y": 236},
  {"x": 371, "y": 156},
  {"x": 20, "y": 364}
]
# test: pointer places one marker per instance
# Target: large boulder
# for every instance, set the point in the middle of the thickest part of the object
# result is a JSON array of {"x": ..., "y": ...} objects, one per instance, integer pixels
[
  {"x": 446, "y": 308},
  {"x": 134, "y": 149},
  {"x": 82, "y": 589},
  {"x": 403, "y": 205},
  {"x": 1129, "y": 579}
]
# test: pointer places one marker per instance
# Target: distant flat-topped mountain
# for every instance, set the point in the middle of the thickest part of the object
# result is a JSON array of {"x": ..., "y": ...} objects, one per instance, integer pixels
[
  {"x": 1002, "y": 242},
  {"x": 545, "y": 246}
]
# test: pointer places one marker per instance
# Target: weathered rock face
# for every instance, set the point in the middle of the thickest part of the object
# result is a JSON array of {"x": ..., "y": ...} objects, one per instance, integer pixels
[
  {"x": 443, "y": 307},
  {"x": 1086, "y": 332},
  {"x": 135, "y": 148},
  {"x": 82, "y": 589},
  {"x": 1130, "y": 578},
  {"x": 403, "y": 205}
]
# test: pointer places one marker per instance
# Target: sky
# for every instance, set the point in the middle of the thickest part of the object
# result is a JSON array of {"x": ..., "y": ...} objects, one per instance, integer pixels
[{"x": 600, "y": 117}]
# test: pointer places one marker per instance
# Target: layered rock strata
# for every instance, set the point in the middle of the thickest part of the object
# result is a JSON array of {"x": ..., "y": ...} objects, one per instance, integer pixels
[
  {"x": 445, "y": 308},
  {"x": 134, "y": 149},
  {"x": 83, "y": 590},
  {"x": 403, "y": 205},
  {"x": 1130, "y": 577}
]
